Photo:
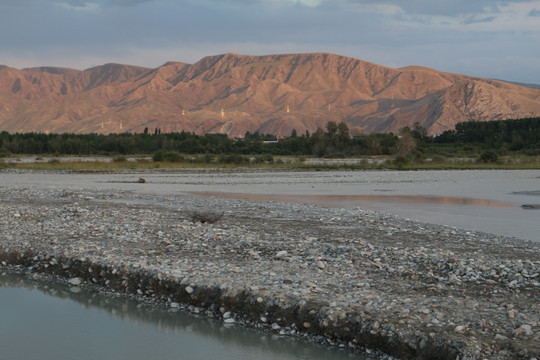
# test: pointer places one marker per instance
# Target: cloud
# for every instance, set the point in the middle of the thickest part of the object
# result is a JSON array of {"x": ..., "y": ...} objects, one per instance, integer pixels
[
  {"x": 440, "y": 34},
  {"x": 83, "y": 7},
  {"x": 430, "y": 7},
  {"x": 476, "y": 19}
]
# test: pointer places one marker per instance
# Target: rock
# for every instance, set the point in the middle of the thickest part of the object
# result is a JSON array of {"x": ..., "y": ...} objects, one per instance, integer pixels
[
  {"x": 229, "y": 321},
  {"x": 75, "y": 281},
  {"x": 459, "y": 329},
  {"x": 281, "y": 254},
  {"x": 524, "y": 329},
  {"x": 189, "y": 289}
]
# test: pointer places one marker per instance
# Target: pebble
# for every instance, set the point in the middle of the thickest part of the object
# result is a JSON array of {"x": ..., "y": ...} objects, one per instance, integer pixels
[{"x": 75, "y": 281}]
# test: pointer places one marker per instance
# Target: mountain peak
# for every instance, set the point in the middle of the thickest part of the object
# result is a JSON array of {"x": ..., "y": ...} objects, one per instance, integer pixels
[
  {"x": 232, "y": 93},
  {"x": 51, "y": 70}
]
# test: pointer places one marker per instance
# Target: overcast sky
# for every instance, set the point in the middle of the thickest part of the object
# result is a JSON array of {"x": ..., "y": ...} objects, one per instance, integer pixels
[{"x": 495, "y": 39}]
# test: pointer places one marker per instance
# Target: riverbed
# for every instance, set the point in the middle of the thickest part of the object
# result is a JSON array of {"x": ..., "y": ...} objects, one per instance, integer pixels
[
  {"x": 337, "y": 273},
  {"x": 490, "y": 201}
]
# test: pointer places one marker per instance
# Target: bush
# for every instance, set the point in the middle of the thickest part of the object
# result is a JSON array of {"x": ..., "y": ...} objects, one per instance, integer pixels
[
  {"x": 170, "y": 156},
  {"x": 158, "y": 156},
  {"x": 206, "y": 217},
  {"x": 401, "y": 160},
  {"x": 173, "y": 156},
  {"x": 488, "y": 156},
  {"x": 119, "y": 158},
  {"x": 233, "y": 159}
]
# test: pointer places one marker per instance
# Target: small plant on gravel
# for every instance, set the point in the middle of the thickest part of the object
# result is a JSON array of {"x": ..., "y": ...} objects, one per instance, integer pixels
[{"x": 206, "y": 217}]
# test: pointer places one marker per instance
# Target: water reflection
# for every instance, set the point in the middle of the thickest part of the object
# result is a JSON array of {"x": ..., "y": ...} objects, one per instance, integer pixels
[
  {"x": 49, "y": 320},
  {"x": 357, "y": 200}
]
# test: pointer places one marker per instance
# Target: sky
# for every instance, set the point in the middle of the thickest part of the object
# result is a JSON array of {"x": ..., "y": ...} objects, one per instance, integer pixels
[{"x": 485, "y": 38}]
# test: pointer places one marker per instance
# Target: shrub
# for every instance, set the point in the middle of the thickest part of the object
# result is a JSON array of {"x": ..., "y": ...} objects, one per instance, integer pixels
[
  {"x": 206, "y": 217},
  {"x": 158, "y": 155},
  {"x": 401, "y": 160},
  {"x": 233, "y": 159},
  {"x": 170, "y": 156},
  {"x": 173, "y": 156},
  {"x": 488, "y": 156},
  {"x": 119, "y": 158}
]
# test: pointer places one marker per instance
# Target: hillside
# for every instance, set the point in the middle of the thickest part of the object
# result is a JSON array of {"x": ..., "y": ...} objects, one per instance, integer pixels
[{"x": 232, "y": 94}]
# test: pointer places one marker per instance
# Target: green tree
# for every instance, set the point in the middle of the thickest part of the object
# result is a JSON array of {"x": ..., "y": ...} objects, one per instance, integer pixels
[{"x": 331, "y": 129}]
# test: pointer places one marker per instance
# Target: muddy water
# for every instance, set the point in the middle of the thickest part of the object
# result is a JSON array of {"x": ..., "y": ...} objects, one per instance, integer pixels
[
  {"x": 499, "y": 202},
  {"x": 47, "y": 320}
]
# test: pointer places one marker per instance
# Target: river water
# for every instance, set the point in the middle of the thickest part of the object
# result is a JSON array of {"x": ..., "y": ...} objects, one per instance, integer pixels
[
  {"x": 49, "y": 320},
  {"x": 483, "y": 200}
]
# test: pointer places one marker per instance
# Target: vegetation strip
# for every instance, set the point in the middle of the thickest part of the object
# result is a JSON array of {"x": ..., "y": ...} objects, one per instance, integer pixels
[{"x": 485, "y": 142}]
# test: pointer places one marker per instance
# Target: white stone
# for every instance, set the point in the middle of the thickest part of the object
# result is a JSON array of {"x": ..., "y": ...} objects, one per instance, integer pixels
[
  {"x": 229, "y": 321},
  {"x": 189, "y": 289},
  {"x": 281, "y": 254},
  {"x": 75, "y": 281}
]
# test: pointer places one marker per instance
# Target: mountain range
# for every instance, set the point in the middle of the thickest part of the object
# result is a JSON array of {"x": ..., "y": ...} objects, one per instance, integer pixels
[{"x": 232, "y": 94}]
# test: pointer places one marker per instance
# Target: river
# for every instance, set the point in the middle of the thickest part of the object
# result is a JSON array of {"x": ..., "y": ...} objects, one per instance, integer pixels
[
  {"x": 483, "y": 200},
  {"x": 45, "y": 320}
]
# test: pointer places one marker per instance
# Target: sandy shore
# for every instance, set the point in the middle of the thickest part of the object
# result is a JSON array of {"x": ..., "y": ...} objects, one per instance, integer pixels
[{"x": 342, "y": 276}]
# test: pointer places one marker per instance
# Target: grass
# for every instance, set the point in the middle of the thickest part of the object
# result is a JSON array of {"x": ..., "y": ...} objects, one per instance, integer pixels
[{"x": 289, "y": 163}]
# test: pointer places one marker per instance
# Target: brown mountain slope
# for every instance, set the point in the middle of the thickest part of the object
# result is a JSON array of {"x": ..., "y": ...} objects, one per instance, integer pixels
[{"x": 233, "y": 94}]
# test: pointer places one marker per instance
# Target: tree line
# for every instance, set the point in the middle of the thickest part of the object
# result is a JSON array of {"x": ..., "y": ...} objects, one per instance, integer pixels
[
  {"x": 513, "y": 135},
  {"x": 335, "y": 140}
]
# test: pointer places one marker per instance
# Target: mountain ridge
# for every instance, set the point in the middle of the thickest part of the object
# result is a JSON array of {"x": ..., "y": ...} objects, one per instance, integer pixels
[{"x": 232, "y": 94}]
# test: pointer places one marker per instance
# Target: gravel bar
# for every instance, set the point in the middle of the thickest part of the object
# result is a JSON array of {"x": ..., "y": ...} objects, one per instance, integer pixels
[{"x": 345, "y": 277}]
